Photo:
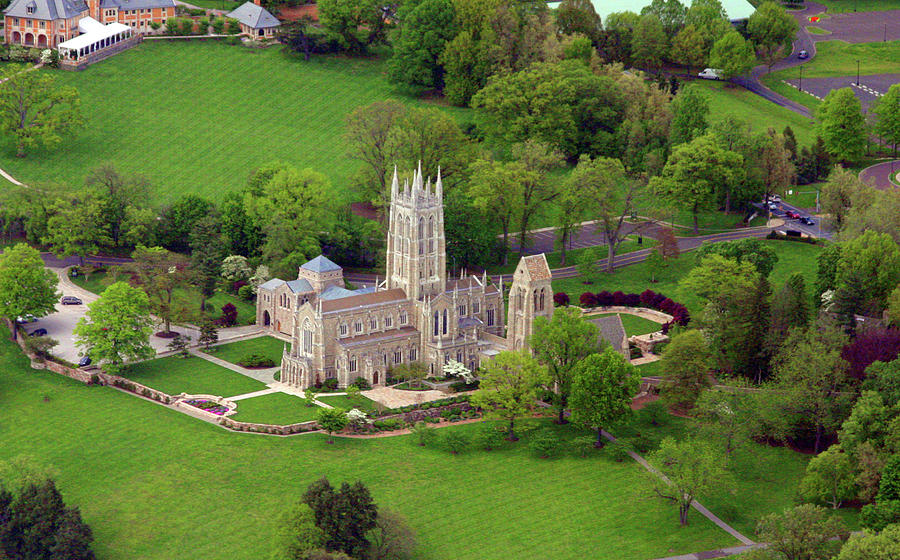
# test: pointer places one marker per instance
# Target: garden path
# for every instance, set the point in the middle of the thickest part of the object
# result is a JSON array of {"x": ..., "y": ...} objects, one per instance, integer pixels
[
  {"x": 395, "y": 398},
  {"x": 266, "y": 376},
  {"x": 696, "y": 505},
  {"x": 253, "y": 394}
]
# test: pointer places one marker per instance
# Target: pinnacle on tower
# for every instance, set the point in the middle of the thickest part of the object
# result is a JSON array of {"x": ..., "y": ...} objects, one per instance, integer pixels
[
  {"x": 438, "y": 185},
  {"x": 395, "y": 185}
]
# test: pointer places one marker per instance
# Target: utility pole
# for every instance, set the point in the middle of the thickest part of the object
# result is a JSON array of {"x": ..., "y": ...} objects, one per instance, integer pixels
[
  {"x": 857, "y": 73},
  {"x": 801, "y": 78}
]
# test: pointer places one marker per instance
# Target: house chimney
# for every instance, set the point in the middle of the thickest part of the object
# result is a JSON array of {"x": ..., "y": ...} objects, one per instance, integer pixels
[{"x": 257, "y": 2}]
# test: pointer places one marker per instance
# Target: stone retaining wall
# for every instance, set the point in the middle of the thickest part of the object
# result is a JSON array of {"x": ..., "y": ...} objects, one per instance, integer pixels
[
  {"x": 238, "y": 426},
  {"x": 651, "y": 314}
]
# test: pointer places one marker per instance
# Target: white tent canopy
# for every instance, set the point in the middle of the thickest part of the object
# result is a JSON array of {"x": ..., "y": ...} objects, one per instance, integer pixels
[{"x": 95, "y": 36}]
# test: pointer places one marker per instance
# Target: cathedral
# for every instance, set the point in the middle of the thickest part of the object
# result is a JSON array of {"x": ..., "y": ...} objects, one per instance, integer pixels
[{"x": 416, "y": 314}]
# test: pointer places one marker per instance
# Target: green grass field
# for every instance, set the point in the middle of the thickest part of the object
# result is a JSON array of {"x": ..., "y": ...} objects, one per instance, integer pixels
[
  {"x": 275, "y": 408},
  {"x": 200, "y": 116},
  {"x": 193, "y": 375},
  {"x": 572, "y": 255},
  {"x": 635, "y": 325},
  {"x": 171, "y": 484},
  {"x": 817, "y": 30},
  {"x": 189, "y": 297},
  {"x": 792, "y": 257},
  {"x": 342, "y": 401},
  {"x": 837, "y": 58},
  {"x": 804, "y": 196},
  {"x": 843, "y": 6},
  {"x": 760, "y": 113},
  {"x": 268, "y": 346}
]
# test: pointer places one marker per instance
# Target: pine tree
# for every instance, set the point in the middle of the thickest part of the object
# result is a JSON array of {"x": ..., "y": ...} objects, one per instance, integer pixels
[{"x": 790, "y": 308}]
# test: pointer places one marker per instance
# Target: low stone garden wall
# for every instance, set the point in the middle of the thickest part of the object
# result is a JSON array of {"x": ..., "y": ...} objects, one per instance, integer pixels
[{"x": 298, "y": 428}]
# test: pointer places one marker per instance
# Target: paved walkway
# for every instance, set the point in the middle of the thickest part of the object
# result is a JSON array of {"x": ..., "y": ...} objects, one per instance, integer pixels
[
  {"x": 696, "y": 505},
  {"x": 718, "y": 553},
  {"x": 395, "y": 398},
  {"x": 253, "y": 394}
]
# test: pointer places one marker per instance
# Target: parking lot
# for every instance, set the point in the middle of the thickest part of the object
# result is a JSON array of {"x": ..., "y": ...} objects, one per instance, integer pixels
[{"x": 870, "y": 89}]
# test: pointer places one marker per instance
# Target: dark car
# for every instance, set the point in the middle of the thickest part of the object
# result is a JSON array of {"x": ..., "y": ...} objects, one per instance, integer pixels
[
  {"x": 802, "y": 55},
  {"x": 38, "y": 332},
  {"x": 85, "y": 361},
  {"x": 70, "y": 300},
  {"x": 807, "y": 221},
  {"x": 793, "y": 215}
]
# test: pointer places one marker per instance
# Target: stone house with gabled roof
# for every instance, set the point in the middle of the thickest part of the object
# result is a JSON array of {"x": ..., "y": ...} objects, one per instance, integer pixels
[
  {"x": 256, "y": 21},
  {"x": 416, "y": 314},
  {"x": 47, "y": 23}
]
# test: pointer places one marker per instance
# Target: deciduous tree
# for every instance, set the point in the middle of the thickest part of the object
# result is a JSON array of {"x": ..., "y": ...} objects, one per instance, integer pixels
[
  {"x": 772, "y": 30},
  {"x": 332, "y": 420},
  {"x": 298, "y": 535},
  {"x": 160, "y": 273},
  {"x": 869, "y": 545},
  {"x": 686, "y": 361},
  {"x": 732, "y": 54},
  {"x": 34, "y": 109},
  {"x": 360, "y": 23},
  {"x": 603, "y": 386},
  {"x": 841, "y": 125},
  {"x": 888, "y": 110},
  {"x": 805, "y": 532},
  {"x": 649, "y": 43},
  {"x": 25, "y": 285},
  {"x": 422, "y": 34},
  {"x": 689, "y": 49},
  {"x": 391, "y": 538},
  {"x": 118, "y": 195},
  {"x": 560, "y": 343},
  {"x": 117, "y": 327},
  {"x": 829, "y": 478},
  {"x": 346, "y": 515},
  {"x": 692, "y": 468},
  {"x": 509, "y": 386},
  {"x": 206, "y": 257}
]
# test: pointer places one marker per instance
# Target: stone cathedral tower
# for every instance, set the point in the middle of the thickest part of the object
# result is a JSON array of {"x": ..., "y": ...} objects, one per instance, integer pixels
[
  {"x": 416, "y": 249},
  {"x": 530, "y": 296}
]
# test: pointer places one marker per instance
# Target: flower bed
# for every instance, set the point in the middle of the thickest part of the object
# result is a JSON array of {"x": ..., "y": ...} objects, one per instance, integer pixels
[{"x": 209, "y": 406}]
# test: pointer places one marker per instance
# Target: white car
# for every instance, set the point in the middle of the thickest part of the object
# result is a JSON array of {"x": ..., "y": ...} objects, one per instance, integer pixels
[{"x": 711, "y": 74}]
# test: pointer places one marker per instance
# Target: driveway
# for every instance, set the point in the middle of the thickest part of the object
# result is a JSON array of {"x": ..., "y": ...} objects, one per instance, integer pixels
[
  {"x": 870, "y": 88},
  {"x": 860, "y": 27},
  {"x": 879, "y": 175}
]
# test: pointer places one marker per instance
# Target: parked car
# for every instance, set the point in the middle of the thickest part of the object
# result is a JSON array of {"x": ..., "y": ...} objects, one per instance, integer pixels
[
  {"x": 85, "y": 361},
  {"x": 70, "y": 300},
  {"x": 773, "y": 206},
  {"x": 807, "y": 221},
  {"x": 793, "y": 215},
  {"x": 27, "y": 318},
  {"x": 774, "y": 198},
  {"x": 38, "y": 332},
  {"x": 711, "y": 74},
  {"x": 802, "y": 55}
]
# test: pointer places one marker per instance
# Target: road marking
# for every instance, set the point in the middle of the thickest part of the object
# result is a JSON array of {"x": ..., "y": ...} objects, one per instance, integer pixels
[
  {"x": 801, "y": 90},
  {"x": 867, "y": 89}
]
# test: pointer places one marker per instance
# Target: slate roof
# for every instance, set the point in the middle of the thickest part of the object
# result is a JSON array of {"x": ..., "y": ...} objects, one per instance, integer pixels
[
  {"x": 336, "y": 292},
  {"x": 137, "y": 4},
  {"x": 320, "y": 263},
  {"x": 363, "y": 299},
  {"x": 257, "y": 17},
  {"x": 464, "y": 322},
  {"x": 300, "y": 286},
  {"x": 612, "y": 331},
  {"x": 271, "y": 284},
  {"x": 46, "y": 9},
  {"x": 537, "y": 267}
]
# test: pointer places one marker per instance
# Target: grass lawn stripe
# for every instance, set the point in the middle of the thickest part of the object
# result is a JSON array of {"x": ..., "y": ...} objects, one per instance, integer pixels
[
  {"x": 274, "y": 408},
  {"x": 193, "y": 375},
  {"x": 268, "y": 346}
]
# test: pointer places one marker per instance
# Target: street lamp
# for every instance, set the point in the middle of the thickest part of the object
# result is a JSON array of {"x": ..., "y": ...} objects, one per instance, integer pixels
[
  {"x": 857, "y": 73},
  {"x": 801, "y": 79}
]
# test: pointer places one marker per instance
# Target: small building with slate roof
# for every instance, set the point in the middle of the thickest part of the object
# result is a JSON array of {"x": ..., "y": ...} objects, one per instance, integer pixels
[{"x": 256, "y": 22}]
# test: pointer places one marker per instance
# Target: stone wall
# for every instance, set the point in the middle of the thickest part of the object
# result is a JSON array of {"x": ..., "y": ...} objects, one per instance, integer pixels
[{"x": 298, "y": 428}]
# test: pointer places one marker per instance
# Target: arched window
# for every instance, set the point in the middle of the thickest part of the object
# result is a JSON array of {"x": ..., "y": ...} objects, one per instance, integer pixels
[
  {"x": 444, "y": 327},
  {"x": 436, "y": 322},
  {"x": 343, "y": 329},
  {"x": 535, "y": 294},
  {"x": 542, "y": 298},
  {"x": 421, "y": 236},
  {"x": 307, "y": 338}
]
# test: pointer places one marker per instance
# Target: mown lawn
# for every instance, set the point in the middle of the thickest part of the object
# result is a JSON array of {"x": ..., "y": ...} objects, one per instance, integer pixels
[
  {"x": 268, "y": 346},
  {"x": 792, "y": 257},
  {"x": 343, "y": 401},
  {"x": 193, "y": 375},
  {"x": 635, "y": 325},
  {"x": 188, "y": 297},
  {"x": 171, "y": 483},
  {"x": 837, "y": 58},
  {"x": 726, "y": 100},
  {"x": 843, "y": 6},
  {"x": 554, "y": 259},
  {"x": 200, "y": 116},
  {"x": 275, "y": 408}
]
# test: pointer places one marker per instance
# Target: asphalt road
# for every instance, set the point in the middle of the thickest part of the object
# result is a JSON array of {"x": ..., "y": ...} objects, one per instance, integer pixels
[{"x": 879, "y": 174}]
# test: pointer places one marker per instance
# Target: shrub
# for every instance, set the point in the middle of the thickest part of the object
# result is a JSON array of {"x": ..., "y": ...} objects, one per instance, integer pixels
[
  {"x": 203, "y": 25},
  {"x": 423, "y": 434},
  {"x": 561, "y": 299},
  {"x": 234, "y": 26},
  {"x": 229, "y": 315},
  {"x": 545, "y": 444},
  {"x": 246, "y": 293},
  {"x": 256, "y": 360},
  {"x": 878, "y": 516},
  {"x": 488, "y": 438},
  {"x": 588, "y": 299},
  {"x": 172, "y": 26},
  {"x": 632, "y": 300},
  {"x": 460, "y": 386},
  {"x": 647, "y": 298},
  {"x": 362, "y": 384},
  {"x": 618, "y": 450},
  {"x": 388, "y": 424},
  {"x": 155, "y": 25},
  {"x": 455, "y": 441},
  {"x": 218, "y": 25},
  {"x": 618, "y": 298},
  {"x": 330, "y": 384},
  {"x": 186, "y": 26},
  {"x": 655, "y": 413},
  {"x": 642, "y": 443},
  {"x": 583, "y": 445},
  {"x": 604, "y": 298}
]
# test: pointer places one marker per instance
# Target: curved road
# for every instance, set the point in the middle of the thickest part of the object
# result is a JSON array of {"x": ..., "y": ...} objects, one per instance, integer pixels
[{"x": 880, "y": 175}]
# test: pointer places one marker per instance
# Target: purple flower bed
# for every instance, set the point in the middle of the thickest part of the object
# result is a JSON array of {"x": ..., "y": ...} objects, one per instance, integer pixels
[{"x": 209, "y": 406}]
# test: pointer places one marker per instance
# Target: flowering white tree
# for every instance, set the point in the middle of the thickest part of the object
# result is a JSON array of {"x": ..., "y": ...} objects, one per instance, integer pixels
[
  {"x": 235, "y": 268},
  {"x": 357, "y": 418},
  {"x": 259, "y": 277},
  {"x": 456, "y": 369}
]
